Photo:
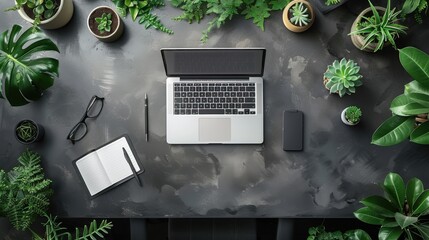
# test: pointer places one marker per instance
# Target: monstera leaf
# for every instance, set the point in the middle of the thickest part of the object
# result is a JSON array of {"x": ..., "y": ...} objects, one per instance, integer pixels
[{"x": 24, "y": 74}]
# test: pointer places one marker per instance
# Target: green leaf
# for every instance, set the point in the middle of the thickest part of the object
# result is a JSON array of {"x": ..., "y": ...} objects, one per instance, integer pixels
[
  {"x": 379, "y": 205},
  {"x": 414, "y": 109},
  {"x": 395, "y": 188},
  {"x": 420, "y": 98},
  {"x": 414, "y": 189},
  {"x": 405, "y": 221},
  {"x": 134, "y": 13},
  {"x": 416, "y": 63},
  {"x": 421, "y": 205},
  {"x": 366, "y": 215},
  {"x": 416, "y": 87},
  {"x": 389, "y": 233},
  {"x": 420, "y": 135},
  {"x": 357, "y": 234},
  {"x": 399, "y": 103},
  {"x": 423, "y": 230},
  {"x": 393, "y": 131}
]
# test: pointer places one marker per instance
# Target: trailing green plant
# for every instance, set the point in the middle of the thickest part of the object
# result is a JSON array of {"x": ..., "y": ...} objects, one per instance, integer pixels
[
  {"x": 343, "y": 77},
  {"x": 54, "y": 230},
  {"x": 380, "y": 29},
  {"x": 104, "y": 22},
  {"x": 400, "y": 211},
  {"x": 331, "y": 2},
  {"x": 25, "y": 75},
  {"x": 24, "y": 191},
  {"x": 319, "y": 233},
  {"x": 225, "y": 10},
  {"x": 410, "y": 106},
  {"x": 353, "y": 114},
  {"x": 42, "y": 9},
  {"x": 142, "y": 9},
  {"x": 418, "y": 7},
  {"x": 26, "y": 131},
  {"x": 300, "y": 14}
]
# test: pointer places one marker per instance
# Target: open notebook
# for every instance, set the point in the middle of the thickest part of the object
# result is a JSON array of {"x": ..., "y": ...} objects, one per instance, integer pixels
[{"x": 106, "y": 167}]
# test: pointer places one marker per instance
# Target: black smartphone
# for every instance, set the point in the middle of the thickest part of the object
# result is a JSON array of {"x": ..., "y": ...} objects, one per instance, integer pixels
[{"x": 293, "y": 121}]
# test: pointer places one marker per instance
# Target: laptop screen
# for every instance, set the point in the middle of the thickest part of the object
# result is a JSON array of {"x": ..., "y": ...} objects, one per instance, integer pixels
[{"x": 214, "y": 62}]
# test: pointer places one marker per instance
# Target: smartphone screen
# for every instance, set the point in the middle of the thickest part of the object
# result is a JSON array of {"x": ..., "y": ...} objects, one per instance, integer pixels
[{"x": 293, "y": 130}]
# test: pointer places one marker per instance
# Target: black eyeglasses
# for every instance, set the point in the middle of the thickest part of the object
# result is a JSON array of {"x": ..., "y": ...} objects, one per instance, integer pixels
[{"x": 92, "y": 111}]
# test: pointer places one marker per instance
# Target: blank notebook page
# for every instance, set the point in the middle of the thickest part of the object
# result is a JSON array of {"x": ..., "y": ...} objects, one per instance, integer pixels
[
  {"x": 113, "y": 160},
  {"x": 93, "y": 173}
]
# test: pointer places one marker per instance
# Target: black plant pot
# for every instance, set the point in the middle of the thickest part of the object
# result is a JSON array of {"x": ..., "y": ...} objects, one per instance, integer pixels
[{"x": 38, "y": 136}]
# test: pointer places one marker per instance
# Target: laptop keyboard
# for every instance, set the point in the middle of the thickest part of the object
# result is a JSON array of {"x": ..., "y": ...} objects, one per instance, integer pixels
[{"x": 214, "y": 98}]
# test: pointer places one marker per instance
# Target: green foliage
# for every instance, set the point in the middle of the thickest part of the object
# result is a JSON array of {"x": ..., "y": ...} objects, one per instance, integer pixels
[
  {"x": 300, "y": 16},
  {"x": 142, "y": 9},
  {"x": 418, "y": 7},
  {"x": 224, "y": 10},
  {"x": 24, "y": 191},
  {"x": 104, "y": 22},
  {"x": 343, "y": 77},
  {"x": 353, "y": 114},
  {"x": 331, "y": 2},
  {"x": 25, "y": 72},
  {"x": 405, "y": 107},
  {"x": 54, "y": 230},
  {"x": 399, "y": 212},
  {"x": 42, "y": 9},
  {"x": 26, "y": 131},
  {"x": 319, "y": 233},
  {"x": 380, "y": 29}
]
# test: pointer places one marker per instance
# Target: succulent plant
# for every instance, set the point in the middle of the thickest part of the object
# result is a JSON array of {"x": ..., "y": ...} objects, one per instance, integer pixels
[
  {"x": 104, "y": 22},
  {"x": 300, "y": 16},
  {"x": 42, "y": 9},
  {"x": 353, "y": 114},
  {"x": 26, "y": 131},
  {"x": 343, "y": 77}
]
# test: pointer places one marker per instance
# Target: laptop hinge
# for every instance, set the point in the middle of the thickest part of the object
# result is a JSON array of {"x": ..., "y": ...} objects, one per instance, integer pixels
[{"x": 205, "y": 78}]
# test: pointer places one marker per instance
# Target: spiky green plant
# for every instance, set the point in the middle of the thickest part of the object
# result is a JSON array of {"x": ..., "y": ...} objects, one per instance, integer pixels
[
  {"x": 343, "y": 77},
  {"x": 331, "y": 2},
  {"x": 26, "y": 131},
  {"x": 42, "y": 9},
  {"x": 300, "y": 16},
  {"x": 353, "y": 114},
  {"x": 24, "y": 191},
  {"x": 104, "y": 22}
]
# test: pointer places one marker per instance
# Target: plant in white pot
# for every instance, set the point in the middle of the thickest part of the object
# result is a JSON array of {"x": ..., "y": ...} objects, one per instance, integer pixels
[
  {"x": 47, "y": 14},
  {"x": 298, "y": 16},
  {"x": 351, "y": 115},
  {"x": 105, "y": 24}
]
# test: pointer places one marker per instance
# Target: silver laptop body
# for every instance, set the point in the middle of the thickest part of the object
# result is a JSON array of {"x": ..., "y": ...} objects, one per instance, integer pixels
[{"x": 214, "y": 95}]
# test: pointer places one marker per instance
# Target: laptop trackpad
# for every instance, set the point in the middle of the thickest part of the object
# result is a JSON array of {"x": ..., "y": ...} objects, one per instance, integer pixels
[{"x": 214, "y": 130}]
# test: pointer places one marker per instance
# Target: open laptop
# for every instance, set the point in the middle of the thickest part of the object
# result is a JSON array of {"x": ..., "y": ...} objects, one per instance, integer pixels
[{"x": 214, "y": 95}]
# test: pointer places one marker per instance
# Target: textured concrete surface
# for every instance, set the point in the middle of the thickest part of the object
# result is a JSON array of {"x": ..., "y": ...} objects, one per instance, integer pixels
[{"x": 338, "y": 166}]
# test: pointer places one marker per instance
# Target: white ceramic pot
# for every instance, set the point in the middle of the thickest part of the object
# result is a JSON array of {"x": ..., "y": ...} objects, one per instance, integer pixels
[
  {"x": 116, "y": 33},
  {"x": 344, "y": 119},
  {"x": 60, "y": 18}
]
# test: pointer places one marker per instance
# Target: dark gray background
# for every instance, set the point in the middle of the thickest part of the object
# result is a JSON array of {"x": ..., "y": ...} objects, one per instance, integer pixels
[{"x": 338, "y": 166}]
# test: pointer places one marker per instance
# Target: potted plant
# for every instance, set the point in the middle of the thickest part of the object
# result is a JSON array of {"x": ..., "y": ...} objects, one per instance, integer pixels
[
  {"x": 105, "y": 24},
  {"x": 342, "y": 77},
  {"x": 376, "y": 26},
  {"x": 48, "y": 14},
  {"x": 410, "y": 109},
  {"x": 27, "y": 131},
  {"x": 298, "y": 16},
  {"x": 351, "y": 115},
  {"x": 418, "y": 7}
]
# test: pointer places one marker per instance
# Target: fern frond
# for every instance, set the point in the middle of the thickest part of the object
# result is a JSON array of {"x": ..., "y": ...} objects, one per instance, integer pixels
[{"x": 94, "y": 231}]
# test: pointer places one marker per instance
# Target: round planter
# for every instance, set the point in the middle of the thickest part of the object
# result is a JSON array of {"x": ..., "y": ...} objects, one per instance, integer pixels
[
  {"x": 40, "y": 132},
  {"x": 358, "y": 40},
  {"x": 344, "y": 119},
  {"x": 289, "y": 25},
  {"x": 117, "y": 24},
  {"x": 60, "y": 18}
]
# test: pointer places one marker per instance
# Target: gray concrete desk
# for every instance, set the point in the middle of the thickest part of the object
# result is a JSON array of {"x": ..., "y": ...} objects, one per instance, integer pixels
[{"x": 338, "y": 167}]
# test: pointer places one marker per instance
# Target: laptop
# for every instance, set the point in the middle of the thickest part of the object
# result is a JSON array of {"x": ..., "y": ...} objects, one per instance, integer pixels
[{"x": 214, "y": 95}]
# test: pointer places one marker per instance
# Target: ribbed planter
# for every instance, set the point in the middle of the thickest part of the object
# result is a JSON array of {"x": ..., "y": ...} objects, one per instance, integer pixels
[
  {"x": 60, "y": 18},
  {"x": 358, "y": 40},
  {"x": 38, "y": 135},
  {"x": 117, "y": 24},
  {"x": 286, "y": 16},
  {"x": 344, "y": 119}
]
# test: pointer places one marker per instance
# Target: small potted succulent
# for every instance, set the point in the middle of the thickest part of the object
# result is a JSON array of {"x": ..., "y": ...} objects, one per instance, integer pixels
[
  {"x": 105, "y": 24},
  {"x": 351, "y": 115},
  {"x": 342, "y": 77},
  {"x": 48, "y": 14},
  {"x": 298, "y": 16},
  {"x": 376, "y": 26},
  {"x": 27, "y": 131}
]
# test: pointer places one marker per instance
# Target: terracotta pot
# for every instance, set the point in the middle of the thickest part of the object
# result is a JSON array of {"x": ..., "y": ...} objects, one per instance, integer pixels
[
  {"x": 358, "y": 40},
  {"x": 60, "y": 18},
  {"x": 289, "y": 25},
  {"x": 115, "y": 34}
]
